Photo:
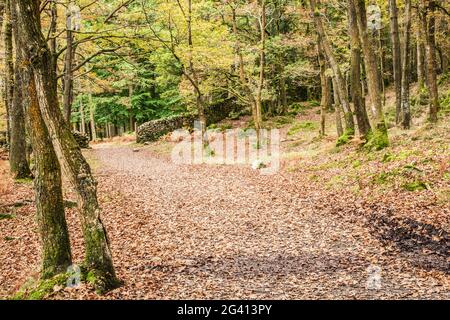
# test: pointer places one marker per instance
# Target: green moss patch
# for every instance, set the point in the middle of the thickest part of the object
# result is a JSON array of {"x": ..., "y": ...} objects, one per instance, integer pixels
[
  {"x": 24, "y": 181},
  {"x": 40, "y": 289},
  {"x": 415, "y": 186},
  {"x": 6, "y": 216},
  {"x": 302, "y": 126}
]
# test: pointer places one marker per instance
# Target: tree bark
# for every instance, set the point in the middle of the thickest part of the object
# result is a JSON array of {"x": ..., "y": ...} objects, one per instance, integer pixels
[
  {"x": 83, "y": 121},
  {"x": 92, "y": 119},
  {"x": 98, "y": 260},
  {"x": 420, "y": 59},
  {"x": 9, "y": 67},
  {"x": 242, "y": 76},
  {"x": 238, "y": 46},
  {"x": 68, "y": 74},
  {"x": 262, "y": 63},
  {"x": 338, "y": 77},
  {"x": 53, "y": 29},
  {"x": 18, "y": 146},
  {"x": 16, "y": 123},
  {"x": 200, "y": 99},
  {"x": 396, "y": 57},
  {"x": 406, "y": 113},
  {"x": 337, "y": 109},
  {"x": 355, "y": 83},
  {"x": 378, "y": 137},
  {"x": 283, "y": 95},
  {"x": 428, "y": 27},
  {"x": 56, "y": 253},
  {"x": 381, "y": 76},
  {"x": 324, "y": 84}
]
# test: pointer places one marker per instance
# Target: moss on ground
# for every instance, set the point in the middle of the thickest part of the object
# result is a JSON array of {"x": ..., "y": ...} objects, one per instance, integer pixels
[
  {"x": 377, "y": 139},
  {"x": 302, "y": 126},
  {"x": 6, "y": 216},
  {"x": 24, "y": 181},
  {"x": 345, "y": 138},
  {"x": 40, "y": 289}
]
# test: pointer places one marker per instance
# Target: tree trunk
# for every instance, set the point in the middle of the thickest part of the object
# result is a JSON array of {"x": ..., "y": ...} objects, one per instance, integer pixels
[
  {"x": 283, "y": 95},
  {"x": 396, "y": 57},
  {"x": 378, "y": 137},
  {"x": 18, "y": 146},
  {"x": 68, "y": 74},
  {"x": 340, "y": 83},
  {"x": 53, "y": 30},
  {"x": 428, "y": 27},
  {"x": 9, "y": 67},
  {"x": 420, "y": 59},
  {"x": 337, "y": 109},
  {"x": 406, "y": 113},
  {"x": 56, "y": 254},
  {"x": 262, "y": 64},
  {"x": 92, "y": 119},
  {"x": 356, "y": 90},
  {"x": 381, "y": 53},
  {"x": 98, "y": 260},
  {"x": 238, "y": 46},
  {"x": 325, "y": 89},
  {"x": 16, "y": 118},
  {"x": 83, "y": 121},
  {"x": 195, "y": 82},
  {"x": 242, "y": 76}
]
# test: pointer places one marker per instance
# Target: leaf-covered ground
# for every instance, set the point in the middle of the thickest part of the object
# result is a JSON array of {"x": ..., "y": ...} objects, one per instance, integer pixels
[
  {"x": 333, "y": 223},
  {"x": 317, "y": 229}
]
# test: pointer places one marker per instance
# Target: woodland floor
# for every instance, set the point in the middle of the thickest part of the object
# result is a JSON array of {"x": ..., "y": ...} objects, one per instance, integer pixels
[{"x": 315, "y": 229}]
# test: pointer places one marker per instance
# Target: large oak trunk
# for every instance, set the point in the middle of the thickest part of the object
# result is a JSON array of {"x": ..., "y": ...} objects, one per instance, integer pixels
[
  {"x": 98, "y": 260},
  {"x": 56, "y": 253}
]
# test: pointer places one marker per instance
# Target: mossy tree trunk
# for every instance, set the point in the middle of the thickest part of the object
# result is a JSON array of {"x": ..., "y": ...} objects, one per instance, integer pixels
[
  {"x": 56, "y": 253},
  {"x": 428, "y": 27},
  {"x": 8, "y": 67},
  {"x": 378, "y": 138},
  {"x": 337, "y": 110},
  {"x": 396, "y": 57},
  {"x": 98, "y": 259},
  {"x": 324, "y": 84},
  {"x": 420, "y": 58},
  {"x": 405, "y": 107},
  {"x": 68, "y": 65},
  {"x": 17, "y": 143},
  {"x": 92, "y": 119},
  {"x": 355, "y": 82}
]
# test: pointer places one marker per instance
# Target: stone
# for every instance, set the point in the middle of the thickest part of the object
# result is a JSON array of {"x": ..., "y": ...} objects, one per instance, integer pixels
[
  {"x": 82, "y": 139},
  {"x": 153, "y": 130}
]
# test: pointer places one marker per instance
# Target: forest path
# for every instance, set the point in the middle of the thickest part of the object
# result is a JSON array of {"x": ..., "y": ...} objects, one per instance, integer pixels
[{"x": 223, "y": 232}]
